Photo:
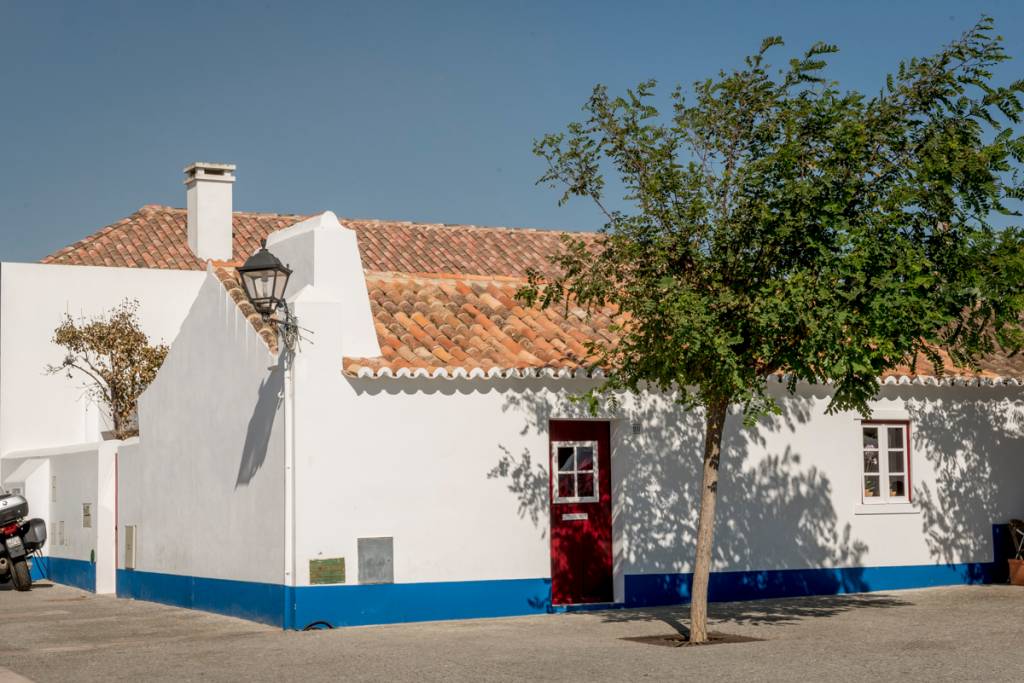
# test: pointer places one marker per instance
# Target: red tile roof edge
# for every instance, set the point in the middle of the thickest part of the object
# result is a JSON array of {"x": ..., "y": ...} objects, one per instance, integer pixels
[{"x": 233, "y": 287}]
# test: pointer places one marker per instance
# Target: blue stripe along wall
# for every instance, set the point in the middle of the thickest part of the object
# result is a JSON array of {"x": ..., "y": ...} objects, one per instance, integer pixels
[
  {"x": 647, "y": 590},
  {"x": 341, "y": 605},
  {"x": 401, "y": 602},
  {"x": 77, "y": 573},
  {"x": 263, "y": 602},
  {"x": 392, "y": 603}
]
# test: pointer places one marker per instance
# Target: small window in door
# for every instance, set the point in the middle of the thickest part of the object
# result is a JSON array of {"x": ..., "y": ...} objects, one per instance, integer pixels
[{"x": 574, "y": 464}]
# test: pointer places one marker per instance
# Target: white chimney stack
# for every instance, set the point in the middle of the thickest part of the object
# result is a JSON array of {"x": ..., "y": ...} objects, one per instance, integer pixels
[{"x": 208, "y": 191}]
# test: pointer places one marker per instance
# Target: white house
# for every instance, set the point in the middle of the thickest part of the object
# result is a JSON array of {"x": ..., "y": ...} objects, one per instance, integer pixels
[{"x": 418, "y": 455}]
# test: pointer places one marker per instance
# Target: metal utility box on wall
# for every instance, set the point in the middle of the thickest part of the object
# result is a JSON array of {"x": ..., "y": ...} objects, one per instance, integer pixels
[
  {"x": 130, "y": 541},
  {"x": 376, "y": 560}
]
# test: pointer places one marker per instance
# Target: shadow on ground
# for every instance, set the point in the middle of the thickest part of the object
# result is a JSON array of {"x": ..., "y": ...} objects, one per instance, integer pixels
[
  {"x": 8, "y": 586},
  {"x": 757, "y": 612}
]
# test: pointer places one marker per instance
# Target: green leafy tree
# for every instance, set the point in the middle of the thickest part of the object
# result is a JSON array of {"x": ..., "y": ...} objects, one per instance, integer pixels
[
  {"x": 778, "y": 224},
  {"x": 114, "y": 356}
]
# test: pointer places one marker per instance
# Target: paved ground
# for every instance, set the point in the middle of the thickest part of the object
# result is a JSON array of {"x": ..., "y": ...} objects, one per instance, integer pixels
[{"x": 57, "y": 633}]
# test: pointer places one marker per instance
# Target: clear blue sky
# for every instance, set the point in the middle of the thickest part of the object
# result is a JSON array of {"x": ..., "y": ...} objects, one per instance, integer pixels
[{"x": 398, "y": 110}]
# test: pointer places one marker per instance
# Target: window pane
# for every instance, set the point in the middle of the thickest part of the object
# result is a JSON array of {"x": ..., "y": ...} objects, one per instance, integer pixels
[
  {"x": 870, "y": 461},
  {"x": 896, "y": 462},
  {"x": 586, "y": 484},
  {"x": 871, "y": 437},
  {"x": 279, "y": 283},
  {"x": 871, "y": 487},
  {"x": 895, "y": 437},
  {"x": 565, "y": 486},
  {"x": 565, "y": 459},
  {"x": 584, "y": 458},
  {"x": 896, "y": 487}
]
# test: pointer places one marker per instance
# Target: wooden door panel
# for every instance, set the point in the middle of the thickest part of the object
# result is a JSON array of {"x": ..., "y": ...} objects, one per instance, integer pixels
[{"x": 581, "y": 519}]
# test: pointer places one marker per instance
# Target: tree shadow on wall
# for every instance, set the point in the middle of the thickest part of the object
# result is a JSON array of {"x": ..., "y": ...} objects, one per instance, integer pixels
[
  {"x": 528, "y": 482},
  {"x": 774, "y": 511},
  {"x": 973, "y": 440},
  {"x": 261, "y": 425}
]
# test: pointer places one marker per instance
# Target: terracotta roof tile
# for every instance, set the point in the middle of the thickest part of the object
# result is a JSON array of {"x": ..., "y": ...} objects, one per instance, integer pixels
[
  {"x": 157, "y": 237},
  {"x": 458, "y": 322},
  {"x": 442, "y": 296},
  {"x": 450, "y": 325},
  {"x": 228, "y": 277}
]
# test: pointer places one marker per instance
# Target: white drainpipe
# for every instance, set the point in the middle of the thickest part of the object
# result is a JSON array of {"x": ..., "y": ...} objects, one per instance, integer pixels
[{"x": 289, "y": 488}]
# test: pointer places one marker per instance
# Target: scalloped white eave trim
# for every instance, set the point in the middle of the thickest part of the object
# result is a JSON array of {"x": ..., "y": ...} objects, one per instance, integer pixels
[
  {"x": 580, "y": 373},
  {"x": 479, "y": 373}
]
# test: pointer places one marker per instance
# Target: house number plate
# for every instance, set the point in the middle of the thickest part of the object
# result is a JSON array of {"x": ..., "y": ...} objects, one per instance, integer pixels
[{"x": 574, "y": 517}]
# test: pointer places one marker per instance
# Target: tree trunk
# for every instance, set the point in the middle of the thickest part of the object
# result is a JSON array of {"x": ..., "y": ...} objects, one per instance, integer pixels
[
  {"x": 716, "y": 412},
  {"x": 115, "y": 415}
]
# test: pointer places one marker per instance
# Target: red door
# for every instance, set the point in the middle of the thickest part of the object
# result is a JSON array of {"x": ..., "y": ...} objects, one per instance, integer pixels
[{"x": 581, "y": 512}]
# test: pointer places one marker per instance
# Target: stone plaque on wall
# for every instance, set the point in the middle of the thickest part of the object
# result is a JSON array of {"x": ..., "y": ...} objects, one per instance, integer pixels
[
  {"x": 376, "y": 560},
  {"x": 327, "y": 570}
]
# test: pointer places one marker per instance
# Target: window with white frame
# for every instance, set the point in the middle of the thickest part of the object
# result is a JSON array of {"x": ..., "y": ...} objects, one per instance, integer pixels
[
  {"x": 886, "y": 462},
  {"x": 575, "y": 465}
]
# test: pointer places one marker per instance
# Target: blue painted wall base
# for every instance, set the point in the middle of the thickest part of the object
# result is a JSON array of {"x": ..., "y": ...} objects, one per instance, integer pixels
[
  {"x": 648, "y": 590},
  {"x": 402, "y": 602},
  {"x": 295, "y": 608},
  {"x": 262, "y": 602},
  {"x": 77, "y": 573}
]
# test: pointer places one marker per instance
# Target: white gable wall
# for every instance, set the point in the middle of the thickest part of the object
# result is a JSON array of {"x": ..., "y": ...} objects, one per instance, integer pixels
[
  {"x": 204, "y": 486},
  {"x": 325, "y": 255},
  {"x": 38, "y": 410}
]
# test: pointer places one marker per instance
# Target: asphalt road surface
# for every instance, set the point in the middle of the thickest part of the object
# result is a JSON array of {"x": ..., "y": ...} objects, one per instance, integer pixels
[{"x": 963, "y": 633}]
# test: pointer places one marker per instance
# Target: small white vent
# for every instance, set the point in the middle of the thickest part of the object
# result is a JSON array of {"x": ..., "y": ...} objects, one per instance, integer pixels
[
  {"x": 130, "y": 538},
  {"x": 637, "y": 427},
  {"x": 86, "y": 515}
]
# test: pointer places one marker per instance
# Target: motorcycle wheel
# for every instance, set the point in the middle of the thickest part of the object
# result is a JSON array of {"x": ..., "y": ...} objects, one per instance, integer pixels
[{"x": 20, "y": 576}]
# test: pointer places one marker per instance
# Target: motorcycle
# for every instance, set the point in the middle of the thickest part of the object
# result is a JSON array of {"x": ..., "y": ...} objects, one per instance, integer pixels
[{"x": 19, "y": 539}]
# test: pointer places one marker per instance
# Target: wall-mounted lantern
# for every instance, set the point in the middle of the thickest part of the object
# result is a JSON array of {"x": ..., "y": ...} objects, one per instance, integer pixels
[{"x": 264, "y": 279}]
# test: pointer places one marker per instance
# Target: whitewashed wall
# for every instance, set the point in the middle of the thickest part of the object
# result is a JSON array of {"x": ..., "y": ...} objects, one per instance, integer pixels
[
  {"x": 30, "y": 476},
  {"x": 204, "y": 486},
  {"x": 74, "y": 478},
  {"x": 62, "y": 482},
  {"x": 456, "y": 472},
  {"x": 39, "y": 410}
]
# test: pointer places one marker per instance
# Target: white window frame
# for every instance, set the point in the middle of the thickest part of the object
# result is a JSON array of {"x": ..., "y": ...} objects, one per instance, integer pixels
[
  {"x": 883, "y": 473},
  {"x": 555, "y": 498}
]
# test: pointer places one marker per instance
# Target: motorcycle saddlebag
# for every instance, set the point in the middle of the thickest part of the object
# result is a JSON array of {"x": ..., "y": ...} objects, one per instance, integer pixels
[
  {"x": 12, "y": 508},
  {"x": 34, "y": 535}
]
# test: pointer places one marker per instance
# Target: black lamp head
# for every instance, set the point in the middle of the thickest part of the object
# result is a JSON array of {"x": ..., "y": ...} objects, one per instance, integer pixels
[{"x": 264, "y": 279}]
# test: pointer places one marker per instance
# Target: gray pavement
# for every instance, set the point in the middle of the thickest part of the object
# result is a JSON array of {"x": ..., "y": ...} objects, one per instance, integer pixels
[{"x": 965, "y": 633}]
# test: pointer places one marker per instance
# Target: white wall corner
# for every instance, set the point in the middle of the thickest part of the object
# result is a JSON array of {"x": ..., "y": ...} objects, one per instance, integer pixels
[
  {"x": 324, "y": 254},
  {"x": 105, "y": 517}
]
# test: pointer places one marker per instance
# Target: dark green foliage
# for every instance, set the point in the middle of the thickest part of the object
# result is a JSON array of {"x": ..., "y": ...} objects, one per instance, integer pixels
[{"x": 780, "y": 224}]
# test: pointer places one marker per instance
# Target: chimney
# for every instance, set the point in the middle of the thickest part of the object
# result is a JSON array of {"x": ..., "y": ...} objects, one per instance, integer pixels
[{"x": 208, "y": 191}]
